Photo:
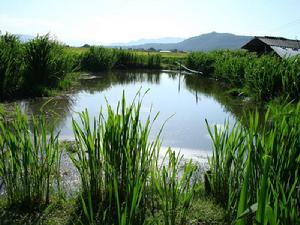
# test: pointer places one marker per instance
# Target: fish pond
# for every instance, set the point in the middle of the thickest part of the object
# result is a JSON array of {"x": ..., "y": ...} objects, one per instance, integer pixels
[{"x": 183, "y": 102}]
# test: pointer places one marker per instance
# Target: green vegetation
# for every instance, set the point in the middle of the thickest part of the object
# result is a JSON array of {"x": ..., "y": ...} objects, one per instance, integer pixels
[
  {"x": 11, "y": 66},
  {"x": 33, "y": 68},
  {"x": 262, "y": 77},
  {"x": 175, "y": 188},
  {"x": 114, "y": 160},
  {"x": 120, "y": 171},
  {"x": 134, "y": 59},
  {"x": 29, "y": 162},
  {"x": 123, "y": 180},
  {"x": 42, "y": 65},
  {"x": 46, "y": 65},
  {"x": 100, "y": 59},
  {"x": 254, "y": 170}
]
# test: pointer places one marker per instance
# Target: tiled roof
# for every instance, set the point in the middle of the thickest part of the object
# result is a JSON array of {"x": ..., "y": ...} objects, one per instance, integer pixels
[{"x": 280, "y": 42}]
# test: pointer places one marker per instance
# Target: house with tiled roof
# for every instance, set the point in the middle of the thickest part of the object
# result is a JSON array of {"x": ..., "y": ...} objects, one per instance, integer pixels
[{"x": 280, "y": 46}]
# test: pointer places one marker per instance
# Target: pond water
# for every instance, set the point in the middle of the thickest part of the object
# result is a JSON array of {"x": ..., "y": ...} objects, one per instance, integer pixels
[
  {"x": 183, "y": 102},
  {"x": 187, "y": 99}
]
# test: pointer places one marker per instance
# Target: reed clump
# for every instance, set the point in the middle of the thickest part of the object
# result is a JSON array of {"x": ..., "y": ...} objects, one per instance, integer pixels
[
  {"x": 97, "y": 59},
  {"x": 263, "y": 77},
  {"x": 101, "y": 59},
  {"x": 33, "y": 68},
  {"x": 11, "y": 66},
  {"x": 255, "y": 168},
  {"x": 43, "y": 64},
  {"x": 118, "y": 166},
  {"x": 29, "y": 160},
  {"x": 174, "y": 185},
  {"x": 46, "y": 64}
]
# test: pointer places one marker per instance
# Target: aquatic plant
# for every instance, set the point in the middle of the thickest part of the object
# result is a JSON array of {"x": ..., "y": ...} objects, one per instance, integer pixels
[
  {"x": 29, "y": 160},
  {"x": 174, "y": 186},
  {"x": 46, "y": 64},
  {"x": 11, "y": 65},
  {"x": 114, "y": 158},
  {"x": 263, "y": 77},
  {"x": 255, "y": 168},
  {"x": 97, "y": 59},
  {"x": 102, "y": 59},
  {"x": 32, "y": 68}
]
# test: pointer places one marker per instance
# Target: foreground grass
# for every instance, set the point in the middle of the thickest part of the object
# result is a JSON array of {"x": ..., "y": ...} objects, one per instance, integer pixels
[
  {"x": 254, "y": 170},
  {"x": 204, "y": 211},
  {"x": 122, "y": 180}
]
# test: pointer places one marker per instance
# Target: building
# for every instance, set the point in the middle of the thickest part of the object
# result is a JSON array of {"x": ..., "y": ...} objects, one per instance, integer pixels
[{"x": 281, "y": 46}]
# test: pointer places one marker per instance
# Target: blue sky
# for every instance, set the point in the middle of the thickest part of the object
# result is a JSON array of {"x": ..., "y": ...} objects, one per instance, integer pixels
[{"x": 108, "y": 21}]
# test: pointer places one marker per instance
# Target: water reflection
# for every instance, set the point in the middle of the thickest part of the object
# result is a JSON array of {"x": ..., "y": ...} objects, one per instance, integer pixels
[
  {"x": 192, "y": 99},
  {"x": 212, "y": 88}
]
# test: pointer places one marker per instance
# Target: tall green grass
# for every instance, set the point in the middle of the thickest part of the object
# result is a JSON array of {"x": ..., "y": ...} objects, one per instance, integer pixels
[
  {"x": 101, "y": 59},
  {"x": 255, "y": 168},
  {"x": 201, "y": 61},
  {"x": 42, "y": 64},
  {"x": 121, "y": 177},
  {"x": 98, "y": 59},
  {"x": 29, "y": 160},
  {"x": 11, "y": 66},
  {"x": 46, "y": 64},
  {"x": 174, "y": 187},
  {"x": 114, "y": 159},
  {"x": 30, "y": 69},
  {"x": 263, "y": 77}
]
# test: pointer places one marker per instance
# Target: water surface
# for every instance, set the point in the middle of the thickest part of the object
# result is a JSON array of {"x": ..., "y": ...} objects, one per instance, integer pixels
[{"x": 187, "y": 99}]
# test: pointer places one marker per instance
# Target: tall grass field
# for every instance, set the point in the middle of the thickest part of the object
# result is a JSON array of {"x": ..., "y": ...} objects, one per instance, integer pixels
[
  {"x": 263, "y": 78},
  {"x": 43, "y": 64}
]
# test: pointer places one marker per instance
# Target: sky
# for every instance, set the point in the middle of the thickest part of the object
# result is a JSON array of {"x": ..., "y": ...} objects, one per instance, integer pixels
[{"x": 110, "y": 21}]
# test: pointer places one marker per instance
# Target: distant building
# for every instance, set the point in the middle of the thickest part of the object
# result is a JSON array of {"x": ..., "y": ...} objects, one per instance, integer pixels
[
  {"x": 281, "y": 46},
  {"x": 164, "y": 51}
]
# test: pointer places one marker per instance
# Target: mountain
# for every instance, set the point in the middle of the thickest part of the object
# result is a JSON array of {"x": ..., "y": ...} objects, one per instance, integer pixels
[
  {"x": 164, "y": 40},
  {"x": 205, "y": 42}
]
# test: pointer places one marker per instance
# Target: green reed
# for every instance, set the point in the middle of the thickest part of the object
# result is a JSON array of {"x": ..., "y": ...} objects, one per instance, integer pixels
[
  {"x": 255, "y": 169},
  {"x": 30, "y": 69},
  {"x": 97, "y": 59},
  {"x": 128, "y": 60},
  {"x": 101, "y": 59},
  {"x": 114, "y": 158},
  {"x": 201, "y": 61},
  {"x": 174, "y": 186},
  {"x": 29, "y": 160},
  {"x": 262, "y": 77},
  {"x": 11, "y": 66},
  {"x": 46, "y": 64}
]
